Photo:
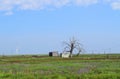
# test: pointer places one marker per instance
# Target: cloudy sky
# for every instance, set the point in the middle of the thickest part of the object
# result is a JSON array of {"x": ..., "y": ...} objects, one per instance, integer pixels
[{"x": 40, "y": 26}]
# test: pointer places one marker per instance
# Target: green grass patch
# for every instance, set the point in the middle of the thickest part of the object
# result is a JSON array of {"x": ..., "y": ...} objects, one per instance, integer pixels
[{"x": 44, "y": 67}]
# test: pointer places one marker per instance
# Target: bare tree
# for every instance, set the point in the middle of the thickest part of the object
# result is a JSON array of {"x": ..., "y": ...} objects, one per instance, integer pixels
[{"x": 73, "y": 45}]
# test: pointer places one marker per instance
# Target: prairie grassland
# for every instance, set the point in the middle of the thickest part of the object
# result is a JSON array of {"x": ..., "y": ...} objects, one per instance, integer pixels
[{"x": 44, "y": 67}]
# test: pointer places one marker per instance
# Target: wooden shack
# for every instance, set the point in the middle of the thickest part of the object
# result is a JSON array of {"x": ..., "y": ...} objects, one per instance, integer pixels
[{"x": 53, "y": 54}]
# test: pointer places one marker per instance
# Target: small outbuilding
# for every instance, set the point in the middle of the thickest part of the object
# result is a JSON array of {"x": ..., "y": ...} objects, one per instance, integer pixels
[
  {"x": 54, "y": 54},
  {"x": 65, "y": 55}
]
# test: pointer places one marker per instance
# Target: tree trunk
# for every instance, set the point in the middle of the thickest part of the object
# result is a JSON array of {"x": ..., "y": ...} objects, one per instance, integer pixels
[
  {"x": 70, "y": 55},
  {"x": 71, "y": 50}
]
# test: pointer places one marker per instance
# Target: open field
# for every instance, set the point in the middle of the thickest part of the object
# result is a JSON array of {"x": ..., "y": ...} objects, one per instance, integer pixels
[{"x": 44, "y": 67}]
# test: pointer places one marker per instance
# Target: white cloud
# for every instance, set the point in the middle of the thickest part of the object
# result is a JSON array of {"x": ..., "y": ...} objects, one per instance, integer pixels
[
  {"x": 86, "y": 2},
  {"x": 116, "y": 5},
  {"x": 10, "y": 5}
]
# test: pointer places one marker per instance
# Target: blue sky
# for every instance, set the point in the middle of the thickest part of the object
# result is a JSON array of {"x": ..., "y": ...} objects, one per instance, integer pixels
[{"x": 40, "y": 26}]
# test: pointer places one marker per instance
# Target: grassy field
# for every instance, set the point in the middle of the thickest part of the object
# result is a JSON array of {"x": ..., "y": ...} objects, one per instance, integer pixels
[{"x": 44, "y": 67}]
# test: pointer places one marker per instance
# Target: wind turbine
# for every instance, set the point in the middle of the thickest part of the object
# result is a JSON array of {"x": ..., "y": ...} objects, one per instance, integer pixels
[{"x": 17, "y": 51}]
